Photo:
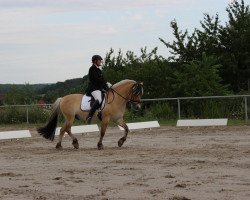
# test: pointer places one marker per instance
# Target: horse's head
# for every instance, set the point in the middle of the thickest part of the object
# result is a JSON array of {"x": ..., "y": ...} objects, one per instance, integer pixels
[
  {"x": 130, "y": 91},
  {"x": 136, "y": 94}
]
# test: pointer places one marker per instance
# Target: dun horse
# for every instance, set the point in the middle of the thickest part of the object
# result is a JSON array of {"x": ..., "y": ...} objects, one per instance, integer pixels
[{"x": 115, "y": 104}]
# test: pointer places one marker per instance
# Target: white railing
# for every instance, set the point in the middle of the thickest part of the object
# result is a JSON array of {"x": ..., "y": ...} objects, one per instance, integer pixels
[{"x": 178, "y": 99}]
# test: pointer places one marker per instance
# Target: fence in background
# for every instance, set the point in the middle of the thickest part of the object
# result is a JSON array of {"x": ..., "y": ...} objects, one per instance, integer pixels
[
  {"x": 27, "y": 114},
  {"x": 179, "y": 99}
]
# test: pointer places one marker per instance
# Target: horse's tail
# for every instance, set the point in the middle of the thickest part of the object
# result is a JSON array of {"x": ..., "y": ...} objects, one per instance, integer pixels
[{"x": 48, "y": 131}]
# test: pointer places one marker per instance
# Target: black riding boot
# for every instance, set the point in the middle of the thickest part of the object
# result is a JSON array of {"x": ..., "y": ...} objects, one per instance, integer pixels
[{"x": 92, "y": 111}]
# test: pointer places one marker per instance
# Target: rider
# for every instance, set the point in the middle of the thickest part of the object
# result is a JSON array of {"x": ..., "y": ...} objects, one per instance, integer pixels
[{"x": 97, "y": 84}]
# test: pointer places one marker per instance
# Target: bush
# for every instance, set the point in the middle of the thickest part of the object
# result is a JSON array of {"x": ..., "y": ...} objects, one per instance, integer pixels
[
  {"x": 16, "y": 115},
  {"x": 38, "y": 114},
  {"x": 213, "y": 108},
  {"x": 12, "y": 115},
  {"x": 152, "y": 111}
]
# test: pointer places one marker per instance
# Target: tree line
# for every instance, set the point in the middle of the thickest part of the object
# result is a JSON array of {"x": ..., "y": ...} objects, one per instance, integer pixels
[{"x": 212, "y": 60}]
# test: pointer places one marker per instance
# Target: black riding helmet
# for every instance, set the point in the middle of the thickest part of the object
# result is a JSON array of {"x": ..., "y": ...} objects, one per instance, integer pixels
[{"x": 96, "y": 57}]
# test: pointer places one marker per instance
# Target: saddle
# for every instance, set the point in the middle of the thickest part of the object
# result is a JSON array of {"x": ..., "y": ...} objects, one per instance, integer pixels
[{"x": 88, "y": 100}]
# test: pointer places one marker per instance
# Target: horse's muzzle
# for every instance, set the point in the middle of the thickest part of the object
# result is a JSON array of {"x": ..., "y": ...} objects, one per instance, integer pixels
[{"x": 136, "y": 105}]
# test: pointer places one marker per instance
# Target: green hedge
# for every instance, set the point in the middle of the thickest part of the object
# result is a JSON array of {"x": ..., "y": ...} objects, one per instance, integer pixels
[
  {"x": 190, "y": 109},
  {"x": 16, "y": 115}
]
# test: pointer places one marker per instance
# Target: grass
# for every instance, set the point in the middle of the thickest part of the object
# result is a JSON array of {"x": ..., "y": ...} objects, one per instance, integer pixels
[{"x": 238, "y": 122}]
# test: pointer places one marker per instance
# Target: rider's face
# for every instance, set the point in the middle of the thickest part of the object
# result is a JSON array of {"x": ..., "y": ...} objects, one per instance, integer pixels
[{"x": 98, "y": 62}]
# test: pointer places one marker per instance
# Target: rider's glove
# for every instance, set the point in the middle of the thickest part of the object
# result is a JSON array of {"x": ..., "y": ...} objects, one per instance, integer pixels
[{"x": 109, "y": 84}]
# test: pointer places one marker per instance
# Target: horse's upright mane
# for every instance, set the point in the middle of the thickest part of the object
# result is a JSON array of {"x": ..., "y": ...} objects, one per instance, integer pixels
[{"x": 122, "y": 82}]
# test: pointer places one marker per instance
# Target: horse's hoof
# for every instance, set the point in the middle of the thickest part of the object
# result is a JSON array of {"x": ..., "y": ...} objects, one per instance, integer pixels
[
  {"x": 121, "y": 141},
  {"x": 58, "y": 146},
  {"x": 100, "y": 146},
  {"x": 75, "y": 143}
]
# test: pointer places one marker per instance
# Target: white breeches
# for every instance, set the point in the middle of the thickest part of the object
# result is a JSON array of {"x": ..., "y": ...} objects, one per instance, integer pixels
[{"x": 97, "y": 94}]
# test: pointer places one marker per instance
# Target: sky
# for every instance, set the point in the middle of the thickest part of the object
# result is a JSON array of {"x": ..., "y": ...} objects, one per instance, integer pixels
[{"x": 46, "y": 41}]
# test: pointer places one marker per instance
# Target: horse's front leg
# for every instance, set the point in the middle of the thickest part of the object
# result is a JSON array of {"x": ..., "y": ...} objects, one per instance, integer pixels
[
  {"x": 126, "y": 130},
  {"x": 104, "y": 125}
]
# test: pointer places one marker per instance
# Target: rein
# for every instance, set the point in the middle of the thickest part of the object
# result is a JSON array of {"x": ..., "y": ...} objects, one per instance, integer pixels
[{"x": 125, "y": 98}]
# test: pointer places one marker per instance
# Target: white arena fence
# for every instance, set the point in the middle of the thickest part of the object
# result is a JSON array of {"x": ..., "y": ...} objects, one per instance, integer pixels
[
  {"x": 243, "y": 104},
  {"x": 180, "y": 104}
]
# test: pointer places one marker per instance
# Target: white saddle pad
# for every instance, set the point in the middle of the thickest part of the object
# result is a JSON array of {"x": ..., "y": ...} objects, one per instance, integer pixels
[{"x": 85, "y": 104}]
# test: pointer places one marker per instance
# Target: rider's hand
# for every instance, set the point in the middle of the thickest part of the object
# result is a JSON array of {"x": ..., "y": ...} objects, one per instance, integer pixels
[{"x": 109, "y": 84}]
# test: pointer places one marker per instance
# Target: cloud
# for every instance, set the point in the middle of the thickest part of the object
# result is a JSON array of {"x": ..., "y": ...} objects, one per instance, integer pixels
[
  {"x": 161, "y": 13},
  {"x": 86, "y": 4},
  {"x": 61, "y": 35},
  {"x": 137, "y": 17},
  {"x": 230, "y": 1}
]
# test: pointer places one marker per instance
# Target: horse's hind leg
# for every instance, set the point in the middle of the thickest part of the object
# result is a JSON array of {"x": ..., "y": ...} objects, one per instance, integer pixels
[
  {"x": 74, "y": 139},
  {"x": 104, "y": 125},
  {"x": 69, "y": 120},
  {"x": 62, "y": 131},
  {"x": 126, "y": 130}
]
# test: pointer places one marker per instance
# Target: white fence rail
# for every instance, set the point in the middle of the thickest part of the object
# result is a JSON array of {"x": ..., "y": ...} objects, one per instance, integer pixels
[{"x": 178, "y": 99}]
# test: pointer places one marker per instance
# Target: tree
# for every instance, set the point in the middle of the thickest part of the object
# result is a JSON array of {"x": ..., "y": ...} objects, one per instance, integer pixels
[
  {"x": 229, "y": 44},
  {"x": 59, "y": 89},
  {"x": 199, "y": 78},
  {"x": 187, "y": 47},
  {"x": 151, "y": 69},
  {"x": 235, "y": 47},
  {"x": 23, "y": 94}
]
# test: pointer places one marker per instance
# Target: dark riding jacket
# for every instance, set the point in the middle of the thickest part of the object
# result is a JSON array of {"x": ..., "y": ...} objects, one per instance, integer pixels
[{"x": 96, "y": 80}]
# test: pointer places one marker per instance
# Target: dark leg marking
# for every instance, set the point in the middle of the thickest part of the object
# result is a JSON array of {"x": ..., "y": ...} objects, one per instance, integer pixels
[{"x": 75, "y": 143}]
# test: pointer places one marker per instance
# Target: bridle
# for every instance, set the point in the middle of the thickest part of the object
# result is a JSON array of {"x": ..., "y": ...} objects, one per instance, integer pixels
[{"x": 137, "y": 92}]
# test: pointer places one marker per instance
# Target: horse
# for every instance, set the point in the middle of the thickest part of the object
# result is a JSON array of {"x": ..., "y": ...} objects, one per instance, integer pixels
[{"x": 116, "y": 98}]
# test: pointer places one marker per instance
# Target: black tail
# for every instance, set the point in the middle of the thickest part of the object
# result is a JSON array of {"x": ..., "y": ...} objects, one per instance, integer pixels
[{"x": 48, "y": 131}]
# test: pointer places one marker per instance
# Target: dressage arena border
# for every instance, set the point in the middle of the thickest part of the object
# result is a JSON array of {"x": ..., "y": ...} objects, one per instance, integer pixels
[
  {"x": 81, "y": 129},
  {"x": 15, "y": 134},
  {"x": 78, "y": 129},
  {"x": 131, "y": 126},
  {"x": 202, "y": 122},
  {"x": 142, "y": 125}
]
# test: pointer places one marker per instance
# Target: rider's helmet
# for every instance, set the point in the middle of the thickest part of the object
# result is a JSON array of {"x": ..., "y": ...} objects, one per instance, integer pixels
[{"x": 96, "y": 57}]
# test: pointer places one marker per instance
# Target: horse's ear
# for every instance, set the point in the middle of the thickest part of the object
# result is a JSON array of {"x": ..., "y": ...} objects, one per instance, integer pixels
[{"x": 141, "y": 83}]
